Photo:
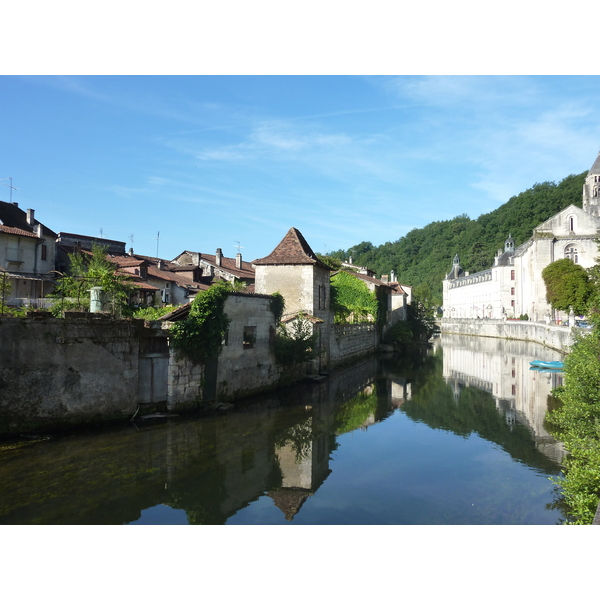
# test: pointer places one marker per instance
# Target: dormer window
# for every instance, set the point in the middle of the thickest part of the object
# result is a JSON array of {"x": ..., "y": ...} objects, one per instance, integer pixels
[{"x": 144, "y": 272}]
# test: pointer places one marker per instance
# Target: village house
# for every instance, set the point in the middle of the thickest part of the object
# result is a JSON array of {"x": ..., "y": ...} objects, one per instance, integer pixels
[
  {"x": 216, "y": 267},
  {"x": 27, "y": 256},
  {"x": 514, "y": 286}
]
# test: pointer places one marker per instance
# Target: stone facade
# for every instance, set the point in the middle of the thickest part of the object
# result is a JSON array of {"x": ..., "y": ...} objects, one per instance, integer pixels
[{"x": 514, "y": 285}]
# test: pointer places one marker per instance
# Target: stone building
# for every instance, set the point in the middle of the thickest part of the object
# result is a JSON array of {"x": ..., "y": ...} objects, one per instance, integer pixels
[
  {"x": 27, "y": 255},
  {"x": 514, "y": 286},
  {"x": 294, "y": 270}
]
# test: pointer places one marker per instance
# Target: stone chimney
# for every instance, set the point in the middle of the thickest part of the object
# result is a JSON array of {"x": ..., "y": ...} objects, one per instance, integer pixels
[
  {"x": 30, "y": 216},
  {"x": 219, "y": 257},
  {"x": 37, "y": 229},
  {"x": 238, "y": 261},
  {"x": 349, "y": 260},
  {"x": 393, "y": 276},
  {"x": 130, "y": 251},
  {"x": 385, "y": 278},
  {"x": 159, "y": 265}
]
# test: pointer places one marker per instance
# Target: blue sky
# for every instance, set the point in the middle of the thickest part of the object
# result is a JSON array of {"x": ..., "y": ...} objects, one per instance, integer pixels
[{"x": 213, "y": 161}]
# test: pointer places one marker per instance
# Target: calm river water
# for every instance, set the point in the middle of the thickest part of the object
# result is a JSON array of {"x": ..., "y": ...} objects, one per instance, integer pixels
[{"x": 455, "y": 436}]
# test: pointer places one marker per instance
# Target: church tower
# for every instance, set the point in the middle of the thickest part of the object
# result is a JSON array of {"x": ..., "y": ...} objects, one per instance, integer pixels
[{"x": 591, "y": 190}]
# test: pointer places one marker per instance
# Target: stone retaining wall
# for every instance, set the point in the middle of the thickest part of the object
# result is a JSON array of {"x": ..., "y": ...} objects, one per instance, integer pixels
[
  {"x": 553, "y": 336},
  {"x": 351, "y": 341}
]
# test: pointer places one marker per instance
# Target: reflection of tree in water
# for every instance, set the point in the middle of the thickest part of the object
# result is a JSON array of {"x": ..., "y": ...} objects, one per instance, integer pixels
[
  {"x": 299, "y": 437},
  {"x": 355, "y": 412},
  {"x": 433, "y": 403}
]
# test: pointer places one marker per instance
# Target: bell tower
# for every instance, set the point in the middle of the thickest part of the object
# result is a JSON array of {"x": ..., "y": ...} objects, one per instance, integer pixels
[{"x": 591, "y": 190}]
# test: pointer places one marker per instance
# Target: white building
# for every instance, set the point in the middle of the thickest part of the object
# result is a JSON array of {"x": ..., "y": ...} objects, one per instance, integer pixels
[{"x": 514, "y": 285}]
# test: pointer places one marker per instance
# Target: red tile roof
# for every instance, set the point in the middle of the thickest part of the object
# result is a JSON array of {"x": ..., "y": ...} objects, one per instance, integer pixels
[
  {"x": 292, "y": 250},
  {"x": 16, "y": 231}
]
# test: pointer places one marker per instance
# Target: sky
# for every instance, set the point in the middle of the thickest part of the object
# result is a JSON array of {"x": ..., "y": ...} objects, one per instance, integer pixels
[{"x": 200, "y": 162}]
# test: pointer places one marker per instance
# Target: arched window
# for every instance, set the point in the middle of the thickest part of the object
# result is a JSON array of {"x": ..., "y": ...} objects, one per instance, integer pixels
[
  {"x": 571, "y": 253},
  {"x": 571, "y": 224}
]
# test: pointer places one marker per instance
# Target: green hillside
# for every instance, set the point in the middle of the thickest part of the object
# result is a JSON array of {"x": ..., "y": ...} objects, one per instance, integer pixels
[{"x": 424, "y": 256}]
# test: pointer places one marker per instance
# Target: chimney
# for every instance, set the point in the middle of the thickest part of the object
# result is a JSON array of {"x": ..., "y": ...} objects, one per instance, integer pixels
[
  {"x": 218, "y": 257},
  {"x": 238, "y": 261},
  {"x": 385, "y": 279},
  {"x": 37, "y": 229},
  {"x": 30, "y": 219},
  {"x": 160, "y": 265},
  {"x": 393, "y": 276},
  {"x": 349, "y": 260},
  {"x": 130, "y": 251}
]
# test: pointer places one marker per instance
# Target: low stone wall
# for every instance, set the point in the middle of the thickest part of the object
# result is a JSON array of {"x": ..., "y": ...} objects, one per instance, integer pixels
[
  {"x": 351, "y": 341},
  {"x": 56, "y": 372},
  {"x": 553, "y": 336}
]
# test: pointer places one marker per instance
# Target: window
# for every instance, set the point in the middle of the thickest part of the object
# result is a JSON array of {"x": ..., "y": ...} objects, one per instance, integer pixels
[
  {"x": 249, "y": 337},
  {"x": 512, "y": 275},
  {"x": 512, "y": 303},
  {"x": 144, "y": 272},
  {"x": 512, "y": 291},
  {"x": 571, "y": 253},
  {"x": 514, "y": 390},
  {"x": 44, "y": 252},
  {"x": 571, "y": 224}
]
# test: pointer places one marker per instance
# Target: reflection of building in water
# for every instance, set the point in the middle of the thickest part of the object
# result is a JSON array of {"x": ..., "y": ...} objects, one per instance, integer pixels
[
  {"x": 501, "y": 367},
  {"x": 303, "y": 470}
]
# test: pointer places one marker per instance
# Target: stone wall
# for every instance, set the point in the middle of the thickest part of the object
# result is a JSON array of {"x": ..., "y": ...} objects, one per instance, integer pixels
[
  {"x": 351, "y": 341},
  {"x": 553, "y": 336},
  {"x": 56, "y": 372}
]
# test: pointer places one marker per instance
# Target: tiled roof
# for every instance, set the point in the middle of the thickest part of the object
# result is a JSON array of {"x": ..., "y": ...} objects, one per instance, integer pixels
[
  {"x": 13, "y": 217},
  {"x": 292, "y": 250},
  {"x": 16, "y": 231},
  {"x": 228, "y": 264}
]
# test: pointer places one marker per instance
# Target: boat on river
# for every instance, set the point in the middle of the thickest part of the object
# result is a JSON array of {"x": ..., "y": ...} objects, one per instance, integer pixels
[{"x": 554, "y": 365}]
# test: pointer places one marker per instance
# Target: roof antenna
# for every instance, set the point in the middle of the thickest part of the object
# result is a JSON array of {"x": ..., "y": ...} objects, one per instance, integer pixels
[
  {"x": 157, "y": 239},
  {"x": 9, "y": 186},
  {"x": 238, "y": 246}
]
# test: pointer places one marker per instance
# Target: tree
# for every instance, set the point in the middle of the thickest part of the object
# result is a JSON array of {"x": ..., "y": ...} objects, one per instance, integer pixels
[
  {"x": 567, "y": 285},
  {"x": 5, "y": 286},
  {"x": 90, "y": 270}
]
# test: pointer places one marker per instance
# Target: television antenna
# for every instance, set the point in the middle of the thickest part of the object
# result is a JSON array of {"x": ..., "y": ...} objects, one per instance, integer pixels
[
  {"x": 238, "y": 246},
  {"x": 9, "y": 186},
  {"x": 157, "y": 240}
]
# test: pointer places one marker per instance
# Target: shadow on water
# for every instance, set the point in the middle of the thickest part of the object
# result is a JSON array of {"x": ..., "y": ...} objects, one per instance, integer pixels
[{"x": 339, "y": 451}]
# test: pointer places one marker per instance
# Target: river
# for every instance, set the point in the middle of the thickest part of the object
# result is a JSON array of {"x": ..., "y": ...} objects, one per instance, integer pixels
[{"x": 452, "y": 435}]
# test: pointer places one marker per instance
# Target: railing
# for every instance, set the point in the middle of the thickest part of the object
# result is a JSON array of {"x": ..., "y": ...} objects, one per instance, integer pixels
[{"x": 30, "y": 302}]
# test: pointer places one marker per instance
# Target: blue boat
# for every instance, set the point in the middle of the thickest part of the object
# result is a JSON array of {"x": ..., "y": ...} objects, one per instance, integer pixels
[{"x": 547, "y": 364}]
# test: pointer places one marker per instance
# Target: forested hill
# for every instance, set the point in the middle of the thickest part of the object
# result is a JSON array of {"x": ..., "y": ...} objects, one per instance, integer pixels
[{"x": 424, "y": 256}]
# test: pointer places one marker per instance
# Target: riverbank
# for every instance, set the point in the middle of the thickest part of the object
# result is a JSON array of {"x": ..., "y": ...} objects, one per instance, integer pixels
[{"x": 555, "y": 337}]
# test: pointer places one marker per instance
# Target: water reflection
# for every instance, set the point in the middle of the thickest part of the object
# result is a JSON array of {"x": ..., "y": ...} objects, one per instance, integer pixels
[{"x": 287, "y": 457}]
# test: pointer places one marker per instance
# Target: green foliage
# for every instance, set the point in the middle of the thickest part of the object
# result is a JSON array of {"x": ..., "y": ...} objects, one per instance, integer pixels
[
  {"x": 277, "y": 306},
  {"x": 88, "y": 271},
  {"x": 567, "y": 285},
  {"x": 330, "y": 261},
  {"x": 5, "y": 287},
  {"x": 424, "y": 256},
  {"x": 354, "y": 413},
  {"x": 576, "y": 422},
  {"x": 295, "y": 343},
  {"x": 399, "y": 333},
  {"x": 351, "y": 300},
  {"x": 200, "y": 336},
  {"x": 151, "y": 313}
]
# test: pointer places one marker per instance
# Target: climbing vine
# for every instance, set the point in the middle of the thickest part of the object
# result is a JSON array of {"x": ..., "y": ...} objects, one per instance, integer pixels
[
  {"x": 277, "y": 306},
  {"x": 351, "y": 300},
  {"x": 295, "y": 343},
  {"x": 200, "y": 336}
]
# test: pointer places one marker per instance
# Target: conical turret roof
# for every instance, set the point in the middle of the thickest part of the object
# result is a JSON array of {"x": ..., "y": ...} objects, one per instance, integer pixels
[
  {"x": 595, "y": 170},
  {"x": 292, "y": 250}
]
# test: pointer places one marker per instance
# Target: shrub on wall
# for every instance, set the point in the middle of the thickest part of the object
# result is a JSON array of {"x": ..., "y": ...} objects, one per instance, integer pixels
[
  {"x": 295, "y": 343},
  {"x": 200, "y": 336}
]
